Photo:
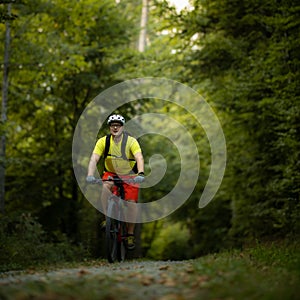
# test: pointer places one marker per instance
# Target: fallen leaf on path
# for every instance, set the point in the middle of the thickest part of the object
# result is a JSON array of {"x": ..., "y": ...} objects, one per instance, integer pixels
[
  {"x": 132, "y": 275},
  {"x": 171, "y": 297},
  {"x": 83, "y": 272},
  {"x": 202, "y": 278},
  {"x": 147, "y": 280},
  {"x": 163, "y": 275},
  {"x": 185, "y": 279},
  {"x": 190, "y": 269},
  {"x": 169, "y": 282},
  {"x": 200, "y": 281},
  {"x": 164, "y": 267},
  {"x": 119, "y": 278},
  {"x": 138, "y": 267}
]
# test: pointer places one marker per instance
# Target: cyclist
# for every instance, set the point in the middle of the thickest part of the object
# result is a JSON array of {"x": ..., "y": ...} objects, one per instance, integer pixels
[{"x": 116, "y": 165}]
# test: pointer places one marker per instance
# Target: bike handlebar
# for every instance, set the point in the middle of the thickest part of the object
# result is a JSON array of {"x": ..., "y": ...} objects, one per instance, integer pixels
[{"x": 115, "y": 180}]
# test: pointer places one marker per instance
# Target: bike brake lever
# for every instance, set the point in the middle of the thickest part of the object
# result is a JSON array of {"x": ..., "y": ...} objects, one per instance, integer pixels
[{"x": 98, "y": 181}]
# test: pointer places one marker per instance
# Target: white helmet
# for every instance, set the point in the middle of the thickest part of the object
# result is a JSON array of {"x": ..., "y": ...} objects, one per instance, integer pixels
[{"x": 116, "y": 118}]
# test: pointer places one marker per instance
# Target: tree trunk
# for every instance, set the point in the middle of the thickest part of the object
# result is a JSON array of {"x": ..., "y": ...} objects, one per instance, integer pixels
[
  {"x": 143, "y": 32},
  {"x": 3, "y": 111}
]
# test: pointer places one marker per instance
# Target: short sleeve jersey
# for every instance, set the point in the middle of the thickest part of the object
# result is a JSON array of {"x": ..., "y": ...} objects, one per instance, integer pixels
[{"x": 114, "y": 161}]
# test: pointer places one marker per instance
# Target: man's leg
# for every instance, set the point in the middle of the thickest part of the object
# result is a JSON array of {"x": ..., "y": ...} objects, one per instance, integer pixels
[
  {"x": 131, "y": 196},
  {"x": 106, "y": 191},
  {"x": 131, "y": 215}
]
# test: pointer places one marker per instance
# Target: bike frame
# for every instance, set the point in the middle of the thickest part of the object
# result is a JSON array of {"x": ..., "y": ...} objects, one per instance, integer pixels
[{"x": 116, "y": 230}]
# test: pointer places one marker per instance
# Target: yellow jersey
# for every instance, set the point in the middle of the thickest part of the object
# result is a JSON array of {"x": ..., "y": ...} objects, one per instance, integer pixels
[{"x": 114, "y": 162}]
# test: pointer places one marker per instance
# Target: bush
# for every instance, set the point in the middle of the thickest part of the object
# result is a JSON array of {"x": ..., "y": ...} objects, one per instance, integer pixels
[
  {"x": 171, "y": 243},
  {"x": 24, "y": 243}
]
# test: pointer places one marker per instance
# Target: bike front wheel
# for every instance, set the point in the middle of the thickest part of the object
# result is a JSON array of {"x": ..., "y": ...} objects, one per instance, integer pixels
[
  {"x": 112, "y": 232},
  {"x": 111, "y": 240},
  {"x": 121, "y": 246}
]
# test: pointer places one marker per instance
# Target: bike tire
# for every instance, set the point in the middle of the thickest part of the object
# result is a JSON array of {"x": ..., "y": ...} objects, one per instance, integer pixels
[
  {"x": 121, "y": 247},
  {"x": 111, "y": 236}
]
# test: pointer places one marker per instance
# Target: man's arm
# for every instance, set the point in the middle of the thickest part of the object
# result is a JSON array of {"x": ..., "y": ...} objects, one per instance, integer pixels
[
  {"x": 93, "y": 164},
  {"x": 140, "y": 162}
]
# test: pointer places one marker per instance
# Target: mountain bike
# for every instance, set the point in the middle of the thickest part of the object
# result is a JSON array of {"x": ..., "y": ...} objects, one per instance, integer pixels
[{"x": 116, "y": 229}]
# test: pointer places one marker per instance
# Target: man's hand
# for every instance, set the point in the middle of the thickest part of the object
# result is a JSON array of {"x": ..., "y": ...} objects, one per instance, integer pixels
[
  {"x": 90, "y": 179},
  {"x": 139, "y": 178}
]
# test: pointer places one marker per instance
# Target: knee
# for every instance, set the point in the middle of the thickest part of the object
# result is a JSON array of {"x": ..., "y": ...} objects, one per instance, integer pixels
[{"x": 108, "y": 185}]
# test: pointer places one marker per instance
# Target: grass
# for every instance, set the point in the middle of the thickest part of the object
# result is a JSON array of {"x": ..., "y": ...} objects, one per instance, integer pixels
[{"x": 264, "y": 271}]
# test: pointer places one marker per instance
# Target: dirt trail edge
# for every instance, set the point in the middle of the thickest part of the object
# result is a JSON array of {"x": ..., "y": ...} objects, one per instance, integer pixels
[{"x": 164, "y": 280}]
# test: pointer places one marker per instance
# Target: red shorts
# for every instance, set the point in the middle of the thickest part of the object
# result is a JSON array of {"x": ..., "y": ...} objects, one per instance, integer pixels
[{"x": 131, "y": 189}]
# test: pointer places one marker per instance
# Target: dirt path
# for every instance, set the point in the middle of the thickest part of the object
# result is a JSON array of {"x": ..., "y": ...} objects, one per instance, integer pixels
[{"x": 127, "y": 280}]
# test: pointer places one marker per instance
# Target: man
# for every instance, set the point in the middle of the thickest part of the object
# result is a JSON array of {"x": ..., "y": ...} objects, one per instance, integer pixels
[{"x": 116, "y": 165}]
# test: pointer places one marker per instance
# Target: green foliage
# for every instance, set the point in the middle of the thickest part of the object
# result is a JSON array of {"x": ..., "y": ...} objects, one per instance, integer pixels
[
  {"x": 63, "y": 54},
  {"x": 280, "y": 254},
  {"x": 242, "y": 56},
  {"x": 5, "y": 15},
  {"x": 25, "y": 244},
  {"x": 172, "y": 243},
  {"x": 245, "y": 59}
]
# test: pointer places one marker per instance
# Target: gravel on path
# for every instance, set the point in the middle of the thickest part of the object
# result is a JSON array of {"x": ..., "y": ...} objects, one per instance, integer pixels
[{"x": 133, "y": 279}]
